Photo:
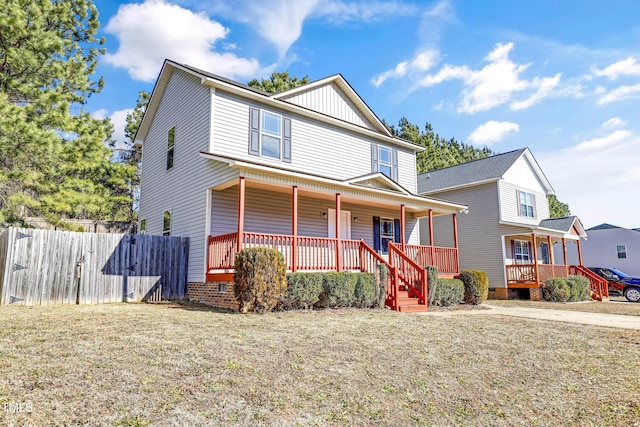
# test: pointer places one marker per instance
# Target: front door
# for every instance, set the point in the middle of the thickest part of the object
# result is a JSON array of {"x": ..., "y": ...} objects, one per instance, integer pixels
[{"x": 345, "y": 224}]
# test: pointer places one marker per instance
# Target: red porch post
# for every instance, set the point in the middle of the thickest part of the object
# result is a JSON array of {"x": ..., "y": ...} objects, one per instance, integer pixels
[
  {"x": 338, "y": 245},
  {"x": 553, "y": 272},
  {"x": 535, "y": 257},
  {"x": 579, "y": 252},
  {"x": 240, "y": 212},
  {"x": 430, "y": 240},
  {"x": 402, "y": 225},
  {"x": 455, "y": 241},
  {"x": 564, "y": 255},
  {"x": 294, "y": 229}
]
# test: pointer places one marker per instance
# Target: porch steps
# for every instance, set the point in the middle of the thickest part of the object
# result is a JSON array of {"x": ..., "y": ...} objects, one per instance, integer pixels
[{"x": 409, "y": 304}]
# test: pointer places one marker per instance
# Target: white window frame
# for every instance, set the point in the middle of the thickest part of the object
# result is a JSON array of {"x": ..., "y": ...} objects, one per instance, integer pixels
[
  {"x": 166, "y": 231},
  {"x": 143, "y": 226},
  {"x": 624, "y": 251},
  {"x": 529, "y": 209},
  {"x": 520, "y": 255},
  {"x": 382, "y": 164},
  {"x": 171, "y": 147},
  {"x": 268, "y": 133}
]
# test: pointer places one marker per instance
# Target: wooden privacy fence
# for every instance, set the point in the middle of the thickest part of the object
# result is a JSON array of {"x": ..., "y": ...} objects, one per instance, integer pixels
[{"x": 40, "y": 267}]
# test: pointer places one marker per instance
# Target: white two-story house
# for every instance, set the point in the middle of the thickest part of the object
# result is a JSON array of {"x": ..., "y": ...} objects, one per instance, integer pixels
[
  {"x": 507, "y": 232},
  {"x": 311, "y": 172}
]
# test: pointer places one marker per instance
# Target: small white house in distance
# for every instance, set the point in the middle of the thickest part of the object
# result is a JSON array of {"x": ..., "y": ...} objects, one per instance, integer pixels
[{"x": 613, "y": 247}]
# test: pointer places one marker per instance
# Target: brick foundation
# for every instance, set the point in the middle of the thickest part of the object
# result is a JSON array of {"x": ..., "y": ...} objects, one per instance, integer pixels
[
  {"x": 535, "y": 294},
  {"x": 213, "y": 293},
  {"x": 498, "y": 293}
]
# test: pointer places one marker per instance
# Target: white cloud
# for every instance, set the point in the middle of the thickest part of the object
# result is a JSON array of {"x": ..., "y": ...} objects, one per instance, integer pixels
[
  {"x": 603, "y": 142},
  {"x": 613, "y": 122},
  {"x": 421, "y": 62},
  {"x": 492, "y": 131},
  {"x": 119, "y": 121},
  {"x": 588, "y": 180},
  {"x": 620, "y": 94},
  {"x": 154, "y": 30},
  {"x": 626, "y": 67},
  {"x": 340, "y": 12},
  {"x": 494, "y": 84}
]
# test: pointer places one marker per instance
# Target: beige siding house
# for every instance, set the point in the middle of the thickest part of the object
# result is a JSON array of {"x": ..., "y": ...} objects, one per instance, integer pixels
[
  {"x": 507, "y": 232},
  {"x": 311, "y": 172}
]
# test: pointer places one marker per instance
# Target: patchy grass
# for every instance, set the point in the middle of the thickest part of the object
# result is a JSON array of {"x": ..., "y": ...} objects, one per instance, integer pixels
[
  {"x": 171, "y": 364},
  {"x": 617, "y": 305}
]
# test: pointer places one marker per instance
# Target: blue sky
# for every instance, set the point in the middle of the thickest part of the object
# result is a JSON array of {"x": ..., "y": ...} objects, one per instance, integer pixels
[{"x": 559, "y": 77}]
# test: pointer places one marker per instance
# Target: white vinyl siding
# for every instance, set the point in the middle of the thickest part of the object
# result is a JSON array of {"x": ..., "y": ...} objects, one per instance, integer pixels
[
  {"x": 270, "y": 212},
  {"x": 317, "y": 148},
  {"x": 329, "y": 100},
  {"x": 185, "y": 105},
  {"x": 510, "y": 204}
]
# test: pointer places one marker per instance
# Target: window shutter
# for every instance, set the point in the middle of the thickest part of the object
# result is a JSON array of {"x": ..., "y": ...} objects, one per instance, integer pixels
[
  {"x": 374, "y": 159},
  {"x": 254, "y": 131},
  {"x": 376, "y": 233},
  {"x": 396, "y": 230},
  {"x": 518, "y": 204},
  {"x": 286, "y": 140},
  {"x": 513, "y": 251},
  {"x": 535, "y": 208},
  {"x": 394, "y": 163}
]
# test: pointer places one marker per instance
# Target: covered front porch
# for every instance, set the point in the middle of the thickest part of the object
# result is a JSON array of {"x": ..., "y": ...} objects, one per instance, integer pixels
[{"x": 533, "y": 259}]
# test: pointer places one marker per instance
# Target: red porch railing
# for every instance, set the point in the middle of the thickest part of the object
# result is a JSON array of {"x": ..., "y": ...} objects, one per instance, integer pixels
[
  {"x": 599, "y": 286},
  {"x": 446, "y": 259},
  {"x": 409, "y": 274}
]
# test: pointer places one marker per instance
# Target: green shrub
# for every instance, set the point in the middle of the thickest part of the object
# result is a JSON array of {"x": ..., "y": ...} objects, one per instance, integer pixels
[
  {"x": 260, "y": 279},
  {"x": 432, "y": 279},
  {"x": 482, "y": 281},
  {"x": 365, "y": 292},
  {"x": 555, "y": 289},
  {"x": 579, "y": 288},
  {"x": 470, "y": 287},
  {"x": 338, "y": 289},
  {"x": 446, "y": 292},
  {"x": 382, "y": 285},
  {"x": 303, "y": 290}
]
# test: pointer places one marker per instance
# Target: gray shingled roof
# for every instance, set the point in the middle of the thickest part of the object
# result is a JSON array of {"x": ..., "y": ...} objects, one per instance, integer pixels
[
  {"x": 603, "y": 226},
  {"x": 466, "y": 173},
  {"x": 561, "y": 224}
]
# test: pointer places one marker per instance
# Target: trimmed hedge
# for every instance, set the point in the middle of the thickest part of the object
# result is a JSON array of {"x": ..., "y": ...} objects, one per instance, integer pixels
[
  {"x": 338, "y": 289},
  {"x": 366, "y": 289},
  {"x": 260, "y": 279},
  {"x": 555, "y": 289},
  {"x": 303, "y": 291},
  {"x": 572, "y": 288},
  {"x": 471, "y": 294},
  {"x": 482, "y": 280},
  {"x": 446, "y": 292}
]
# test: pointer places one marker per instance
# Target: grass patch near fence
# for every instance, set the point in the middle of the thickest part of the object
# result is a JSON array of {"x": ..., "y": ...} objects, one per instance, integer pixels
[{"x": 171, "y": 364}]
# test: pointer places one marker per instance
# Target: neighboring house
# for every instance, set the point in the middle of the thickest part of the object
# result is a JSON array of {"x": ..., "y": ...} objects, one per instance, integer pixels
[
  {"x": 612, "y": 246},
  {"x": 507, "y": 232},
  {"x": 311, "y": 172}
]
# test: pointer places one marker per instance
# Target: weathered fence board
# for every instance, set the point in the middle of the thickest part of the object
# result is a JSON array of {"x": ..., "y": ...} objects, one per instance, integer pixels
[{"x": 39, "y": 267}]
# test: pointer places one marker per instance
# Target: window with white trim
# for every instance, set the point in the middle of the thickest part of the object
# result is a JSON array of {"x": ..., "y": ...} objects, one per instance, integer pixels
[
  {"x": 521, "y": 252},
  {"x": 384, "y": 161},
  {"x": 387, "y": 234},
  {"x": 171, "y": 143},
  {"x": 270, "y": 134},
  {"x": 526, "y": 204},
  {"x": 166, "y": 223},
  {"x": 622, "y": 251}
]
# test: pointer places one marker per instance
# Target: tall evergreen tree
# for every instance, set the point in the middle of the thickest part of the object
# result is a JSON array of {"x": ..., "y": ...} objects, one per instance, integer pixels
[
  {"x": 278, "y": 82},
  {"x": 53, "y": 159}
]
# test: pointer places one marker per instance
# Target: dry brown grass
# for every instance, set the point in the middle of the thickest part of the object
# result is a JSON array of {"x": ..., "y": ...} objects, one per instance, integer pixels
[
  {"x": 170, "y": 364},
  {"x": 617, "y": 305}
]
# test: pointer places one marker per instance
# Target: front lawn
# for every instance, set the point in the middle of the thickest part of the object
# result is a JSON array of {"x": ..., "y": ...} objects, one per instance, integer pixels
[
  {"x": 171, "y": 364},
  {"x": 617, "y": 305}
]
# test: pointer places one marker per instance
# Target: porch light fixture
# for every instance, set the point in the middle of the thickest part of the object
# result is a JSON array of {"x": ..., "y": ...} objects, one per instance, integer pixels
[
  {"x": 324, "y": 214},
  {"x": 355, "y": 219}
]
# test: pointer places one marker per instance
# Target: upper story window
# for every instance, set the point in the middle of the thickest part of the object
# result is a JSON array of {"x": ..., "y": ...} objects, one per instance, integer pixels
[
  {"x": 526, "y": 202},
  {"x": 270, "y": 135},
  {"x": 166, "y": 223},
  {"x": 171, "y": 144},
  {"x": 622, "y": 251},
  {"x": 384, "y": 160}
]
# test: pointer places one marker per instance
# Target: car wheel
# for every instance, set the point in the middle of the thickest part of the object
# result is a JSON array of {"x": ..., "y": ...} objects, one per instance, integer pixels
[{"x": 632, "y": 294}]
